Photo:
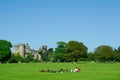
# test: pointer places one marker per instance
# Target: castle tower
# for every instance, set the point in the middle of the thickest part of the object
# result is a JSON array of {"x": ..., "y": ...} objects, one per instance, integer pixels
[{"x": 20, "y": 49}]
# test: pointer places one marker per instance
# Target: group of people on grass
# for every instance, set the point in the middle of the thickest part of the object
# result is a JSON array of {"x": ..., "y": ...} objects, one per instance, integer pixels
[
  {"x": 76, "y": 69},
  {"x": 61, "y": 70}
]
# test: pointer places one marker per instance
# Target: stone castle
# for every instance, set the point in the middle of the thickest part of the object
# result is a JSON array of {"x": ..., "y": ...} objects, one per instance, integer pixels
[{"x": 22, "y": 49}]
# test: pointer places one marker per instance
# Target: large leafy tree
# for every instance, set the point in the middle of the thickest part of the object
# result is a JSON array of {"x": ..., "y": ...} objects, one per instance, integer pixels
[
  {"x": 75, "y": 51},
  {"x": 5, "y": 52},
  {"x": 104, "y": 53},
  {"x": 60, "y": 50}
]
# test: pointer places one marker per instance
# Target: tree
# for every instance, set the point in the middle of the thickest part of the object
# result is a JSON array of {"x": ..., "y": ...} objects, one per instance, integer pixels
[
  {"x": 43, "y": 52},
  {"x": 51, "y": 56},
  {"x": 117, "y": 52},
  {"x": 61, "y": 44},
  {"x": 18, "y": 57},
  {"x": 13, "y": 59},
  {"x": 29, "y": 58},
  {"x": 5, "y": 52},
  {"x": 60, "y": 50},
  {"x": 75, "y": 51},
  {"x": 90, "y": 56},
  {"x": 104, "y": 53}
]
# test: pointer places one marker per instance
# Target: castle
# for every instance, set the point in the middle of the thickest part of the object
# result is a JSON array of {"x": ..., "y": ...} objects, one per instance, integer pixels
[{"x": 22, "y": 49}]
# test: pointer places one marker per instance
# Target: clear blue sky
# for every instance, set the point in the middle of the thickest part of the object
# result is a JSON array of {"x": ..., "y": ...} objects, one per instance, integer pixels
[{"x": 39, "y": 22}]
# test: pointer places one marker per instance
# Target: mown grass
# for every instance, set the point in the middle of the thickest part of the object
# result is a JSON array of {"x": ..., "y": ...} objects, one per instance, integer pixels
[{"x": 89, "y": 71}]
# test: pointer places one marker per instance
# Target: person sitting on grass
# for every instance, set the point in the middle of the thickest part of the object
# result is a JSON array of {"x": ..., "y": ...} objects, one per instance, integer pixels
[{"x": 78, "y": 70}]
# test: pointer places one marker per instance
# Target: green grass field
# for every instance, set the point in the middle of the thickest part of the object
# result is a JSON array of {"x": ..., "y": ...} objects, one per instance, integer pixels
[{"x": 89, "y": 71}]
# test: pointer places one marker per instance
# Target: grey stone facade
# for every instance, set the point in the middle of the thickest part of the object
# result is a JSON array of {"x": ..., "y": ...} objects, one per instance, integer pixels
[{"x": 25, "y": 48}]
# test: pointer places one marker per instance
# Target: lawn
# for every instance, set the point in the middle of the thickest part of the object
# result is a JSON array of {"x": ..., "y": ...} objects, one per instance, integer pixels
[{"x": 89, "y": 71}]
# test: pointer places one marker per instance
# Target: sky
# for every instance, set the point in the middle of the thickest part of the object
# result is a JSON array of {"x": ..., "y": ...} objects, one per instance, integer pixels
[{"x": 45, "y": 22}]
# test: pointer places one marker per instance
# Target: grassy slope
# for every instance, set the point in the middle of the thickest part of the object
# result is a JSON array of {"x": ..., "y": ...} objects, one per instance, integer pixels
[{"x": 89, "y": 71}]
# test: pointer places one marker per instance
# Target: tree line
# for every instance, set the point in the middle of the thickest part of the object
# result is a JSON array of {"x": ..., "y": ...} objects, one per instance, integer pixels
[{"x": 72, "y": 51}]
